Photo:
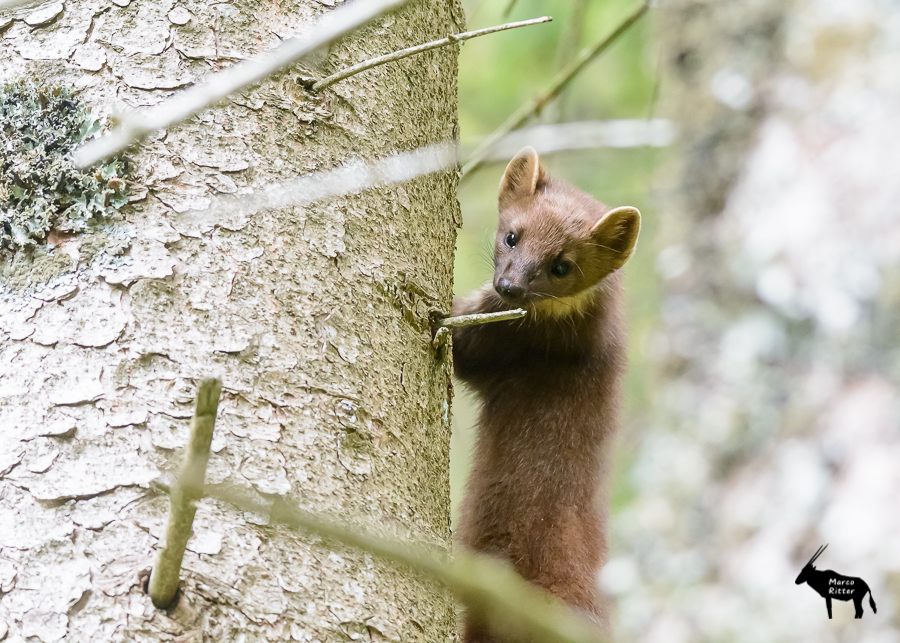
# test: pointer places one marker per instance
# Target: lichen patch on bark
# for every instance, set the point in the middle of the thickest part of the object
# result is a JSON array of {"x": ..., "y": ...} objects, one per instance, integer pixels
[{"x": 46, "y": 202}]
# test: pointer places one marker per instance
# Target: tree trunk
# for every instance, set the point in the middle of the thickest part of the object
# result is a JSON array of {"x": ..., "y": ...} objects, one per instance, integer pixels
[{"x": 315, "y": 318}]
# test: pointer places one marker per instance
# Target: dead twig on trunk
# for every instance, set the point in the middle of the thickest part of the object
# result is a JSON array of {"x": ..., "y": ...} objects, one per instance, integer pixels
[
  {"x": 164, "y": 577},
  {"x": 418, "y": 49}
]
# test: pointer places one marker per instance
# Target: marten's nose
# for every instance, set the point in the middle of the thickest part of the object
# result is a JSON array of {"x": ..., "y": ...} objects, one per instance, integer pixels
[{"x": 506, "y": 288}]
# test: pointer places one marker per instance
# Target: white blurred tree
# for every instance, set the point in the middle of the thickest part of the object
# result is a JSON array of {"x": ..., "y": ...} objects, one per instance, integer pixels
[{"x": 775, "y": 413}]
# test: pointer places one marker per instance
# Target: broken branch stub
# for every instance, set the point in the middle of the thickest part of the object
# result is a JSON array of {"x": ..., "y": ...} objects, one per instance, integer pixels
[
  {"x": 442, "y": 327},
  {"x": 481, "y": 318},
  {"x": 164, "y": 577}
]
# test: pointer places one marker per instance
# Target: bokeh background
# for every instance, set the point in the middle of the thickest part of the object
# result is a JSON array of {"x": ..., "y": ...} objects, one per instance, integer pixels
[{"x": 762, "y": 415}]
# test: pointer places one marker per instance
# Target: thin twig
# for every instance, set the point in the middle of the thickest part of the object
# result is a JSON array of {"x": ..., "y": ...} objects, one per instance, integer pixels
[
  {"x": 509, "y": 8},
  {"x": 164, "y": 577},
  {"x": 567, "y": 49},
  {"x": 411, "y": 51},
  {"x": 136, "y": 125},
  {"x": 534, "y": 106},
  {"x": 442, "y": 332},
  {"x": 481, "y": 318},
  {"x": 657, "y": 82},
  {"x": 511, "y": 607}
]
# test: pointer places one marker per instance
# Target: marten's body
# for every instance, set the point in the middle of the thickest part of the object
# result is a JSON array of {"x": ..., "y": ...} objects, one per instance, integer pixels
[{"x": 549, "y": 385}]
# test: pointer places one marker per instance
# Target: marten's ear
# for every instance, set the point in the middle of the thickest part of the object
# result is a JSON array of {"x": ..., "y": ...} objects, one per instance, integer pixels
[
  {"x": 616, "y": 235},
  {"x": 521, "y": 176}
]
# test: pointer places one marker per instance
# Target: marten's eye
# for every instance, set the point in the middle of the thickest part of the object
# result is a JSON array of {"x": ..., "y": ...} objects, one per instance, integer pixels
[
  {"x": 511, "y": 240},
  {"x": 561, "y": 268}
]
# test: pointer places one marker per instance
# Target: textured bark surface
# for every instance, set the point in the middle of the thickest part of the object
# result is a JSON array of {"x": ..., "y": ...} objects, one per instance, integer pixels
[{"x": 315, "y": 318}]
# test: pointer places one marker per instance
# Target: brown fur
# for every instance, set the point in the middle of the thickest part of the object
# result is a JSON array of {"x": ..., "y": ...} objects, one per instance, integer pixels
[{"x": 549, "y": 385}]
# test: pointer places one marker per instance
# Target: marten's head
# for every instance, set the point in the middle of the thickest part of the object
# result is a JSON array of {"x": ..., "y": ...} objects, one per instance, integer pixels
[{"x": 555, "y": 243}]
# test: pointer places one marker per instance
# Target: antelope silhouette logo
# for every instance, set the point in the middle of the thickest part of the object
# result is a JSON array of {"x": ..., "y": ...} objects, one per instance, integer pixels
[{"x": 829, "y": 584}]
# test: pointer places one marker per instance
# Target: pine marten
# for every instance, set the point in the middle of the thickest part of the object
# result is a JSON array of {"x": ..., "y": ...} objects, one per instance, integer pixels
[{"x": 549, "y": 385}]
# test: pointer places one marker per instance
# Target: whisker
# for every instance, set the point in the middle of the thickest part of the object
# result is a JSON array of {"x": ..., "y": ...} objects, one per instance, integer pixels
[
  {"x": 567, "y": 319},
  {"x": 486, "y": 255},
  {"x": 558, "y": 299},
  {"x": 600, "y": 245}
]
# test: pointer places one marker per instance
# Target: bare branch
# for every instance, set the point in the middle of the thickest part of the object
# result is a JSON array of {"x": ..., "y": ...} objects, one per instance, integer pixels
[
  {"x": 232, "y": 212},
  {"x": 164, "y": 577},
  {"x": 136, "y": 125},
  {"x": 534, "y": 106},
  {"x": 481, "y": 318},
  {"x": 513, "y": 608},
  {"x": 411, "y": 51}
]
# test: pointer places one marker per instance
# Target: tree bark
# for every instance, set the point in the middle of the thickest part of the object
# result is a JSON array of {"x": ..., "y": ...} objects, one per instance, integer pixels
[{"x": 315, "y": 318}]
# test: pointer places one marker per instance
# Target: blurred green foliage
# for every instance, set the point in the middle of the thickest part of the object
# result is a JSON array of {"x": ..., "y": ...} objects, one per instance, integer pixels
[{"x": 499, "y": 72}]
